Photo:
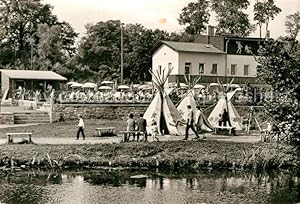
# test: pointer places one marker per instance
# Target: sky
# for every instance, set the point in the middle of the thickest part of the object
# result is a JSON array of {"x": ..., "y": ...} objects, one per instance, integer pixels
[{"x": 161, "y": 14}]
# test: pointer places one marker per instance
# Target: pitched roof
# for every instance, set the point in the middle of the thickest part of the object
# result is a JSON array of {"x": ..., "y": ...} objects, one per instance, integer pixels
[
  {"x": 192, "y": 47},
  {"x": 32, "y": 74}
]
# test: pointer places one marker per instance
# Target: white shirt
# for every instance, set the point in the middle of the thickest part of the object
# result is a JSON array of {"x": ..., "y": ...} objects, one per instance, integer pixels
[
  {"x": 198, "y": 115},
  {"x": 189, "y": 115},
  {"x": 81, "y": 123}
]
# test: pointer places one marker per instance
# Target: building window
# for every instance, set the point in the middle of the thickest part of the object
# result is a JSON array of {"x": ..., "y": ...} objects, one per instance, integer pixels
[
  {"x": 169, "y": 65},
  {"x": 214, "y": 69},
  {"x": 246, "y": 69},
  {"x": 187, "y": 68},
  {"x": 201, "y": 68},
  {"x": 233, "y": 69}
]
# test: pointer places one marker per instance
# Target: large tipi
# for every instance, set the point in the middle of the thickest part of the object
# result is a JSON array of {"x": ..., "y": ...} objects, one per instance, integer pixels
[
  {"x": 224, "y": 103},
  {"x": 162, "y": 110}
]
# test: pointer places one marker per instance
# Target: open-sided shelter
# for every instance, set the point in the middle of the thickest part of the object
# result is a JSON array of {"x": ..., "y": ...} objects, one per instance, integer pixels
[{"x": 28, "y": 79}]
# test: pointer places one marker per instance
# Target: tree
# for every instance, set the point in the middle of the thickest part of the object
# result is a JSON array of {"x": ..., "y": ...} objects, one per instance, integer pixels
[
  {"x": 231, "y": 18},
  {"x": 99, "y": 50},
  {"x": 141, "y": 42},
  {"x": 280, "y": 68},
  {"x": 195, "y": 17},
  {"x": 292, "y": 24},
  {"x": 271, "y": 11},
  {"x": 264, "y": 11},
  {"x": 259, "y": 15},
  {"x": 19, "y": 23}
]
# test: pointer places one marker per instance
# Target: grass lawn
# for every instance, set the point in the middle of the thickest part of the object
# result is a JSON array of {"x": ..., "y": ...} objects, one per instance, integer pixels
[
  {"x": 66, "y": 129},
  {"x": 170, "y": 154},
  {"x": 175, "y": 154}
]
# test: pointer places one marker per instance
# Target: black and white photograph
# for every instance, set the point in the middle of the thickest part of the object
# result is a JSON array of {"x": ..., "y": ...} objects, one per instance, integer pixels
[{"x": 149, "y": 102}]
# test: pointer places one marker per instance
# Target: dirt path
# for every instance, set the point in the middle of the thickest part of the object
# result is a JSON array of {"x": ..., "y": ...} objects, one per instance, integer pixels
[{"x": 118, "y": 139}]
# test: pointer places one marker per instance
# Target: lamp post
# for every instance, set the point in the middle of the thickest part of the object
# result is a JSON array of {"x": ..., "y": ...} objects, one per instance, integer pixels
[
  {"x": 122, "y": 56},
  {"x": 226, "y": 55},
  {"x": 226, "y": 67},
  {"x": 31, "y": 41}
]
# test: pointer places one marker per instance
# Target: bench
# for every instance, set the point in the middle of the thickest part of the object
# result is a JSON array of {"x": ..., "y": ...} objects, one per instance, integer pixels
[
  {"x": 135, "y": 134},
  {"x": 105, "y": 131},
  {"x": 10, "y": 136},
  {"x": 231, "y": 130}
]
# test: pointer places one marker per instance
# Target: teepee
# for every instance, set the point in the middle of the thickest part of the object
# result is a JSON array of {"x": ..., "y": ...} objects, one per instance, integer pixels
[
  {"x": 161, "y": 110},
  {"x": 189, "y": 99},
  {"x": 224, "y": 103}
]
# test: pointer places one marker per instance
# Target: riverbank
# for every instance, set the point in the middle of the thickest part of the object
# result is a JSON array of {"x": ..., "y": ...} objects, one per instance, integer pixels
[{"x": 164, "y": 155}]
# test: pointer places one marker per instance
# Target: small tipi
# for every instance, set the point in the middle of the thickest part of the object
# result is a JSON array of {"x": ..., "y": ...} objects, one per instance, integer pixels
[
  {"x": 161, "y": 110},
  {"x": 190, "y": 100},
  {"x": 224, "y": 103}
]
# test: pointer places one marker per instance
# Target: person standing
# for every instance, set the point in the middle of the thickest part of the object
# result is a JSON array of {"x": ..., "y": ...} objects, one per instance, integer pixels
[
  {"x": 80, "y": 127},
  {"x": 141, "y": 126},
  {"x": 225, "y": 118},
  {"x": 131, "y": 125},
  {"x": 190, "y": 123},
  {"x": 154, "y": 128}
]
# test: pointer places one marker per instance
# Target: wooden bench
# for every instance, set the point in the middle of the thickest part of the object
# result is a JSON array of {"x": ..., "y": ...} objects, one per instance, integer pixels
[
  {"x": 10, "y": 136},
  {"x": 105, "y": 131},
  {"x": 135, "y": 134},
  {"x": 231, "y": 130}
]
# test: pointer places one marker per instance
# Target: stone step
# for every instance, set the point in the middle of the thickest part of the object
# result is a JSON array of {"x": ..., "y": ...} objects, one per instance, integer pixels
[
  {"x": 31, "y": 117},
  {"x": 37, "y": 113},
  {"x": 31, "y": 121}
]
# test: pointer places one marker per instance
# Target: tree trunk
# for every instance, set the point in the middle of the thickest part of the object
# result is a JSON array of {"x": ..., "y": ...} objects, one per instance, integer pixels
[
  {"x": 267, "y": 26},
  {"x": 260, "y": 27}
]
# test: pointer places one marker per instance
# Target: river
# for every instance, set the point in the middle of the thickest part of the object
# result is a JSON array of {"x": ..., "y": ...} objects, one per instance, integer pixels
[{"x": 142, "y": 186}]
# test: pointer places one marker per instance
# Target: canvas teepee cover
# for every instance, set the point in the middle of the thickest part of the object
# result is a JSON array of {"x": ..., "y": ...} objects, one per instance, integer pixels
[
  {"x": 162, "y": 109},
  {"x": 234, "y": 117},
  {"x": 182, "y": 108}
]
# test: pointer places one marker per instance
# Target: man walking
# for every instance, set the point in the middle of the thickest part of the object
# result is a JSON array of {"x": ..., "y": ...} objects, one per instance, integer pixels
[
  {"x": 80, "y": 127},
  {"x": 190, "y": 123}
]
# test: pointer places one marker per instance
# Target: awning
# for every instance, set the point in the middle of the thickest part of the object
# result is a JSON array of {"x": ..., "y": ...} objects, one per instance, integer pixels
[{"x": 32, "y": 75}]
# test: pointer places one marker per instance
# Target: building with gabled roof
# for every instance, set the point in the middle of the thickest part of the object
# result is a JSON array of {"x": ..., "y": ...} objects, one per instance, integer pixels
[
  {"x": 211, "y": 57},
  {"x": 28, "y": 79}
]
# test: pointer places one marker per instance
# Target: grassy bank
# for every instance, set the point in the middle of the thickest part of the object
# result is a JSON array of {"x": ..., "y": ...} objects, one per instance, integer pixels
[
  {"x": 67, "y": 128},
  {"x": 165, "y": 155}
]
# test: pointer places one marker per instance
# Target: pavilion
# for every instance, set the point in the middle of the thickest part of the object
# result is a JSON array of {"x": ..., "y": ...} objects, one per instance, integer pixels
[{"x": 28, "y": 79}]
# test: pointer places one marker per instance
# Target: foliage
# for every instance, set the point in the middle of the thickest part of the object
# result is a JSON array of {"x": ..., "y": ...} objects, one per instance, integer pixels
[
  {"x": 231, "y": 18},
  {"x": 271, "y": 11},
  {"x": 292, "y": 24},
  {"x": 22, "y": 27},
  {"x": 264, "y": 11},
  {"x": 100, "y": 51},
  {"x": 195, "y": 17},
  {"x": 280, "y": 68},
  {"x": 259, "y": 15}
]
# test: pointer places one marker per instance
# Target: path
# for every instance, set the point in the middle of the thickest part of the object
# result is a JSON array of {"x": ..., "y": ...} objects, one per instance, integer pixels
[{"x": 110, "y": 140}]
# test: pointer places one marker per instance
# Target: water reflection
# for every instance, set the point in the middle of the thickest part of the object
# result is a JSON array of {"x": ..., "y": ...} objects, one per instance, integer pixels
[{"x": 132, "y": 186}]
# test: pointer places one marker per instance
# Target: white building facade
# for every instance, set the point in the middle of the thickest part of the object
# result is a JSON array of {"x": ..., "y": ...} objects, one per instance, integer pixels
[{"x": 207, "y": 61}]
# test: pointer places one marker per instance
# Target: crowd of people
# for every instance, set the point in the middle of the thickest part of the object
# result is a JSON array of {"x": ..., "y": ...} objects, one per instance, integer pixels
[
  {"x": 119, "y": 96},
  {"x": 245, "y": 96}
]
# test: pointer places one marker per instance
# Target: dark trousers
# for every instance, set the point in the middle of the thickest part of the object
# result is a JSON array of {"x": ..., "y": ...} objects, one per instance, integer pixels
[
  {"x": 80, "y": 130},
  {"x": 226, "y": 122},
  {"x": 187, "y": 130},
  {"x": 145, "y": 136}
]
